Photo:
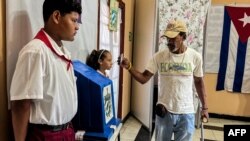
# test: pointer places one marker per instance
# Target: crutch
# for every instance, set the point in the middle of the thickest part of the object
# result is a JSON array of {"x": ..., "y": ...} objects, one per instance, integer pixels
[{"x": 204, "y": 120}]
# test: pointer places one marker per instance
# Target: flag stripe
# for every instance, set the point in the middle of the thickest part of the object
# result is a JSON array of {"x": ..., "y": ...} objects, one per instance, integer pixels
[
  {"x": 240, "y": 65},
  {"x": 246, "y": 79},
  {"x": 224, "y": 52},
  {"x": 231, "y": 60}
]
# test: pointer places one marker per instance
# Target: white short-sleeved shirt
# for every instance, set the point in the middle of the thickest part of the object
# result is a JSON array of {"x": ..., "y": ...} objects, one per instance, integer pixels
[
  {"x": 175, "y": 82},
  {"x": 42, "y": 76}
]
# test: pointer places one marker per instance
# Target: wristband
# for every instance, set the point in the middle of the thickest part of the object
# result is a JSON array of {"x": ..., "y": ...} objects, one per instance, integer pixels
[{"x": 130, "y": 66}]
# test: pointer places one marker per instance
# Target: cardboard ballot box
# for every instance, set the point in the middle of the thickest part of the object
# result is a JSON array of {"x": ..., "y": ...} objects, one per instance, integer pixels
[{"x": 96, "y": 111}]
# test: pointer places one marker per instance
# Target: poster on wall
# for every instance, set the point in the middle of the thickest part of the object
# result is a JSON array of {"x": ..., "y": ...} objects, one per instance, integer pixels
[
  {"x": 113, "y": 17},
  {"x": 25, "y": 19}
]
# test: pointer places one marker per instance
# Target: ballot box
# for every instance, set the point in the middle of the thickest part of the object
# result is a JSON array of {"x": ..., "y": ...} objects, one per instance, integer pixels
[{"x": 96, "y": 111}]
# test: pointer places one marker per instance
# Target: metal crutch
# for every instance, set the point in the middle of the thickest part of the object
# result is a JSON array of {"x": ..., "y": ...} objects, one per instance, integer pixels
[{"x": 204, "y": 120}]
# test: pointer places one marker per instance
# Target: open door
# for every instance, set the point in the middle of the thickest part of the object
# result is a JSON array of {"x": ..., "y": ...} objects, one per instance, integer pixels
[
  {"x": 143, "y": 49},
  {"x": 114, "y": 42}
]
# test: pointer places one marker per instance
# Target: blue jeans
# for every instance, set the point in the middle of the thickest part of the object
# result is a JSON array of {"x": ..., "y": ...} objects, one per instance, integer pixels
[{"x": 182, "y": 125}]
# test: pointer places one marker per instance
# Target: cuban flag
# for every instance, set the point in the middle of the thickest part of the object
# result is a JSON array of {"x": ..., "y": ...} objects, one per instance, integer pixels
[{"x": 234, "y": 61}]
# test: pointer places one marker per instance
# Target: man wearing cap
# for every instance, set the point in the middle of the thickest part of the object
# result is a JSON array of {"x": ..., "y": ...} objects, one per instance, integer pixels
[{"x": 178, "y": 68}]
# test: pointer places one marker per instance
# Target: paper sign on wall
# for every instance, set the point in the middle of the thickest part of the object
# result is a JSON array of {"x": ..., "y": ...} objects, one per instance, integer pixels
[{"x": 113, "y": 16}]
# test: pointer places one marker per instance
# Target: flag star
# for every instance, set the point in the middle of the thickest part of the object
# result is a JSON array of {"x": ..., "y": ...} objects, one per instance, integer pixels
[{"x": 245, "y": 20}]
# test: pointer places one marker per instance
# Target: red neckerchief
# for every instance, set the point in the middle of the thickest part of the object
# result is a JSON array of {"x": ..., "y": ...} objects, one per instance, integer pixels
[{"x": 41, "y": 35}]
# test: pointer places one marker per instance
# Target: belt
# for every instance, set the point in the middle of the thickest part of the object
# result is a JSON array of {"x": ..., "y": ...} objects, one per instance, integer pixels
[{"x": 53, "y": 128}]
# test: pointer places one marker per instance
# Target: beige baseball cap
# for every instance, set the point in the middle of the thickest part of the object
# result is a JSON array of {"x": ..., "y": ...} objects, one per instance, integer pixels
[{"x": 174, "y": 28}]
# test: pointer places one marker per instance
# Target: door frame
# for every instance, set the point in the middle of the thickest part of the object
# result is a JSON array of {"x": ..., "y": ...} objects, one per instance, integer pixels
[{"x": 122, "y": 29}]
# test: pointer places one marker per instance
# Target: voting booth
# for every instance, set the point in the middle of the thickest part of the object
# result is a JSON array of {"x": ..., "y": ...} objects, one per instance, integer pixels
[{"x": 96, "y": 111}]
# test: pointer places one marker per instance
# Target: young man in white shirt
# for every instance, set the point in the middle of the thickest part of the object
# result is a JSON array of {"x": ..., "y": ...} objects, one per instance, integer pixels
[{"x": 43, "y": 91}]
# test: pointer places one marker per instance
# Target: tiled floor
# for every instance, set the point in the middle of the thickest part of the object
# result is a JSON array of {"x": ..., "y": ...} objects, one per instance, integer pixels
[
  {"x": 213, "y": 130},
  {"x": 130, "y": 129}
]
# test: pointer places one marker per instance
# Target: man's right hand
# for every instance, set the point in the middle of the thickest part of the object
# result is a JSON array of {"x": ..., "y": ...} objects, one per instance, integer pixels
[{"x": 125, "y": 63}]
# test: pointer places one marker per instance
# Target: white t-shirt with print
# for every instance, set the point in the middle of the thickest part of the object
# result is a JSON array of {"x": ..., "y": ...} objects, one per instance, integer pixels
[
  {"x": 42, "y": 76},
  {"x": 175, "y": 82}
]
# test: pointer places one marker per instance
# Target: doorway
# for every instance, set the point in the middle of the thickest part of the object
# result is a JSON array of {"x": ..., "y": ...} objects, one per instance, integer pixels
[{"x": 114, "y": 42}]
